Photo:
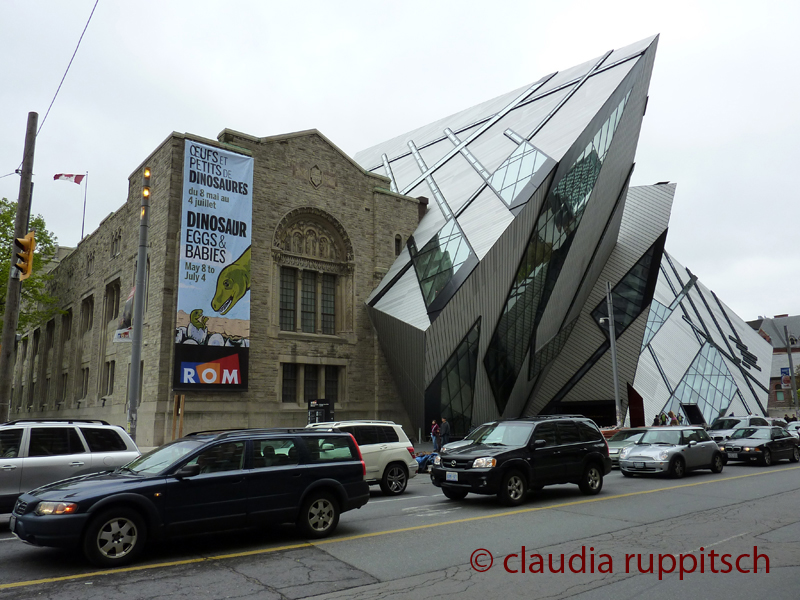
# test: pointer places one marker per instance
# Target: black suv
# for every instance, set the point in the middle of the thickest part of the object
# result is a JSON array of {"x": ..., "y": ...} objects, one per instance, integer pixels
[
  {"x": 204, "y": 482},
  {"x": 513, "y": 456}
]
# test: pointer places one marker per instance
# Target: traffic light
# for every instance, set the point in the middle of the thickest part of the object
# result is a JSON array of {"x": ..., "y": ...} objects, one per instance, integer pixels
[
  {"x": 146, "y": 183},
  {"x": 25, "y": 247}
]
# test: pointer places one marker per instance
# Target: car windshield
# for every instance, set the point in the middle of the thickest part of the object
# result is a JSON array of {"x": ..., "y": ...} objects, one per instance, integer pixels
[
  {"x": 158, "y": 460},
  {"x": 506, "y": 434},
  {"x": 750, "y": 432},
  {"x": 725, "y": 424},
  {"x": 661, "y": 436},
  {"x": 631, "y": 435},
  {"x": 476, "y": 433}
]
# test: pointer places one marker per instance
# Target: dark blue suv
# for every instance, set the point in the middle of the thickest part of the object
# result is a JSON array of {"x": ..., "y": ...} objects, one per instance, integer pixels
[{"x": 205, "y": 482}]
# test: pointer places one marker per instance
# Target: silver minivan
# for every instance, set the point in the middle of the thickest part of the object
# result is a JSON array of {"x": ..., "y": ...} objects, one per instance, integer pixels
[{"x": 35, "y": 452}]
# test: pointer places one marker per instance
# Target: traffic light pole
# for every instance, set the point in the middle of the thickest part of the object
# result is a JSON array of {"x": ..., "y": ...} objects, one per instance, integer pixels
[
  {"x": 11, "y": 313},
  {"x": 138, "y": 308}
]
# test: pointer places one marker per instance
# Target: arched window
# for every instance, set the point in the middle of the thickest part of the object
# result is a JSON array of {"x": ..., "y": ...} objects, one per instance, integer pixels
[
  {"x": 314, "y": 265},
  {"x": 398, "y": 245}
]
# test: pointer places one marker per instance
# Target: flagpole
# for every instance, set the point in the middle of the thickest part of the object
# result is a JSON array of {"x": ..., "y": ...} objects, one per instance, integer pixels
[{"x": 83, "y": 221}]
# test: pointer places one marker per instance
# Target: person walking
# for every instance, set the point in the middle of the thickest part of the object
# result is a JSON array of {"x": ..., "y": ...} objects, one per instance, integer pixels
[
  {"x": 656, "y": 421},
  {"x": 444, "y": 431},
  {"x": 672, "y": 419},
  {"x": 435, "y": 437}
]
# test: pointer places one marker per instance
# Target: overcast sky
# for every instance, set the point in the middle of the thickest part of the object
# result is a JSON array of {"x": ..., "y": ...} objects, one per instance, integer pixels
[{"x": 722, "y": 120}]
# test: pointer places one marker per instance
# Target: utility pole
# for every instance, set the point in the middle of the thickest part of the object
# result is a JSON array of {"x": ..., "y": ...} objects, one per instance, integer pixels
[
  {"x": 138, "y": 307},
  {"x": 613, "y": 340},
  {"x": 11, "y": 314},
  {"x": 795, "y": 400}
]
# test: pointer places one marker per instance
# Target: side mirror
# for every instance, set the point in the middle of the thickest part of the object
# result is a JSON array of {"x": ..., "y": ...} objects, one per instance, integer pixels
[
  {"x": 539, "y": 443},
  {"x": 187, "y": 471},
  {"x": 692, "y": 443}
]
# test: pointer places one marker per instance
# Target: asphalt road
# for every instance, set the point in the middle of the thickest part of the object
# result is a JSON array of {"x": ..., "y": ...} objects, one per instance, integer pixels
[{"x": 420, "y": 545}]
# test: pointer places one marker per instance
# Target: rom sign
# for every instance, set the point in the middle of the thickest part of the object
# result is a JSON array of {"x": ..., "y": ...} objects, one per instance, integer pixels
[{"x": 212, "y": 332}]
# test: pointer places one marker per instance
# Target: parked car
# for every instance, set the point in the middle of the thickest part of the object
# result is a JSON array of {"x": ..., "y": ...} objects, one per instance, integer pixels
[
  {"x": 622, "y": 438},
  {"x": 34, "y": 452},
  {"x": 512, "y": 457},
  {"x": 468, "y": 439},
  {"x": 722, "y": 428},
  {"x": 387, "y": 452},
  {"x": 201, "y": 483},
  {"x": 766, "y": 445},
  {"x": 671, "y": 450},
  {"x": 794, "y": 428}
]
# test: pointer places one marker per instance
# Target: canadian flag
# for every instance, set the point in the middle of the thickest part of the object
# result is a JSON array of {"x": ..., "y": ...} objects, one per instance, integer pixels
[{"x": 74, "y": 178}]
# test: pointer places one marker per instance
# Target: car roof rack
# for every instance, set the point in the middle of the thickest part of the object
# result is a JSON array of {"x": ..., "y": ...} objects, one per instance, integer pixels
[
  {"x": 354, "y": 422},
  {"x": 95, "y": 421},
  {"x": 223, "y": 433}
]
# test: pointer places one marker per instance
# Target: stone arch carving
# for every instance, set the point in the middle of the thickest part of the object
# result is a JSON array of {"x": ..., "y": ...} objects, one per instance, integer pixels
[{"x": 313, "y": 234}]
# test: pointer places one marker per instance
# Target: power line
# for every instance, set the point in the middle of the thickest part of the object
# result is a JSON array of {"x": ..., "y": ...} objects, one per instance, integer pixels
[{"x": 68, "y": 66}]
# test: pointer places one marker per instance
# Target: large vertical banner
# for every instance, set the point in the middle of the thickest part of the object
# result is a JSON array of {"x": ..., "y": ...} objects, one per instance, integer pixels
[{"x": 212, "y": 338}]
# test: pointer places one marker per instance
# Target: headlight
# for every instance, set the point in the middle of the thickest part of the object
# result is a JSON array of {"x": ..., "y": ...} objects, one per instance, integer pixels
[
  {"x": 625, "y": 451},
  {"x": 722, "y": 448},
  {"x": 56, "y": 508},
  {"x": 437, "y": 460},
  {"x": 483, "y": 463},
  {"x": 663, "y": 455}
]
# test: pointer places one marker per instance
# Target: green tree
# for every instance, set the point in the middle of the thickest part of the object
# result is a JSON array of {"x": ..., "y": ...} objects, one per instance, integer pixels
[{"x": 37, "y": 305}]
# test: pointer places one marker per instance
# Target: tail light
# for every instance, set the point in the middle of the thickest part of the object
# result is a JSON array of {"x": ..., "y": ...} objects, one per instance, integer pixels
[
  {"x": 412, "y": 452},
  {"x": 361, "y": 458}
]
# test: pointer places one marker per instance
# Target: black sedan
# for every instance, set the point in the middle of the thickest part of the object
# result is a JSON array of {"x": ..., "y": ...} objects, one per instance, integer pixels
[{"x": 763, "y": 444}]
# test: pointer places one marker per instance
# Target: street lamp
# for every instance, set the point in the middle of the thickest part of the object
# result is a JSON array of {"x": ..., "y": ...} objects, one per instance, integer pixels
[{"x": 612, "y": 339}]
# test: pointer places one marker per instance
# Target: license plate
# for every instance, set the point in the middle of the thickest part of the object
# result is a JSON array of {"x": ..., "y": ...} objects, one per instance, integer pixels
[
  {"x": 12, "y": 523},
  {"x": 733, "y": 455},
  {"x": 638, "y": 465},
  {"x": 451, "y": 476}
]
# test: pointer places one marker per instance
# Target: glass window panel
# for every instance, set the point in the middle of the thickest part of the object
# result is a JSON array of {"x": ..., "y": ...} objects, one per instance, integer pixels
[
  {"x": 288, "y": 290},
  {"x": 309, "y": 302},
  {"x": 329, "y": 304},
  {"x": 332, "y": 383},
  {"x": 310, "y": 378},
  {"x": 289, "y": 386}
]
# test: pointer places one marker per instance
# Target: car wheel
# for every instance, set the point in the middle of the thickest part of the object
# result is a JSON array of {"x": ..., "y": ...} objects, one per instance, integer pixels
[
  {"x": 592, "y": 481},
  {"x": 766, "y": 458},
  {"x": 454, "y": 494},
  {"x": 677, "y": 468},
  {"x": 394, "y": 480},
  {"x": 795, "y": 457},
  {"x": 717, "y": 463},
  {"x": 319, "y": 515},
  {"x": 114, "y": 537},
  {"x": 626, "y": 473},
  {"x": 513, "y": 489}
]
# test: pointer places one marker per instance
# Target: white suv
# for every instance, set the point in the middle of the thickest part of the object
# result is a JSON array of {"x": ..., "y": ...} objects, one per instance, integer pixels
[
  {"x": 387, "y": 452},
  {"x": 34, "y": 452},
  {"x": 723, "y": 427}
]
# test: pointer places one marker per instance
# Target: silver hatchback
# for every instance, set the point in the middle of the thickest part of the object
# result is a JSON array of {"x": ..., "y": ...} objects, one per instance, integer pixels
[
  {"x": 36, "y": 452},
  {"x": 671, "y": 450}
]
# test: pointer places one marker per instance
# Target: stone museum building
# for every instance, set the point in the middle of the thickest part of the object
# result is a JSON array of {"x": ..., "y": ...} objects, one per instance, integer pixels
[{"x": 324, "y": 233}]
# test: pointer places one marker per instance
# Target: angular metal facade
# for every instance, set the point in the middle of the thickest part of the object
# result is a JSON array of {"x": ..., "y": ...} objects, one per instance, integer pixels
[
  {"x": 698, "y": 358},
  {"x": 526, "y": 199}
]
